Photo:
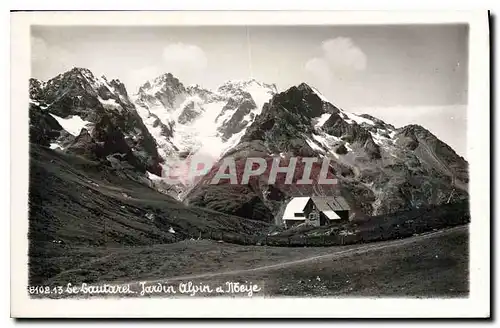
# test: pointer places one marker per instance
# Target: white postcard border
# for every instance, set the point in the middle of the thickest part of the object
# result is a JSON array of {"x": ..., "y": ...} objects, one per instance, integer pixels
[{"x": 477, "y": 305}]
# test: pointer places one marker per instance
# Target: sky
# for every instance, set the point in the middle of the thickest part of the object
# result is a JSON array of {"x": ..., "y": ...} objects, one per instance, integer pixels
[{"x": 403, "y": 74}]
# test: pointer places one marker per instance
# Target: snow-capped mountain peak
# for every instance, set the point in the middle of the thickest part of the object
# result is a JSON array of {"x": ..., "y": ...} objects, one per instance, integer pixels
[
  {"x": 195, "y": 120},
  {"x": 92, "y": 116},
  {"x": 261, "y": 92}
]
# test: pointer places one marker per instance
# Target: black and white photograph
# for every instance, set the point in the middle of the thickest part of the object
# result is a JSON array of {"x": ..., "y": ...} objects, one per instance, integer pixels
[{"x": 249, "y": 161}]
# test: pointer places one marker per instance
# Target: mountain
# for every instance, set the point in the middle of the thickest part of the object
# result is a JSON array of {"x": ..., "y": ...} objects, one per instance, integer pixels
[
  {"x": 379, "y": 168},
  {"x": 99, "y": 156},
  {"x": 166, "y": 124},
  {"x": 189, "y": 121},
  {"x": 91, "y": 116}
]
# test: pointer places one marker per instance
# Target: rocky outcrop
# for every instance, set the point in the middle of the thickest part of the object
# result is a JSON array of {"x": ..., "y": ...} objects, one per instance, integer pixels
[
  {"x": 115, "y": 126},
  {"x": 241, "y": 117},
  {"x": 190, "y": 112}
]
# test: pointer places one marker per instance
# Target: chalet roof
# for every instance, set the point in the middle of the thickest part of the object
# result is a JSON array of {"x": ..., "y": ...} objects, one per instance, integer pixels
[
  {"x": 331, "y": 215},
  {"x": 296, "y": 205},
  {"x": 330, "y": 203},
  {"x": 327, "y": 205}
]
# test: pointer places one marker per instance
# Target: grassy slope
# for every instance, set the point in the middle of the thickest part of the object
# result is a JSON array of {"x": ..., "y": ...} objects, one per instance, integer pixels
[
  {"x": 88, "y": 208},
  {"x": 437, "y": 266},
  {"x": 125, "y": 264},
  {"x": 434, "y": 265}
]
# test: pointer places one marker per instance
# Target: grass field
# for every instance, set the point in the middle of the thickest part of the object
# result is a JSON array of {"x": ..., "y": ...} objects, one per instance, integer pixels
[
  {"x": 429, "y": 265},
  {"x": 433, "y": 267}
]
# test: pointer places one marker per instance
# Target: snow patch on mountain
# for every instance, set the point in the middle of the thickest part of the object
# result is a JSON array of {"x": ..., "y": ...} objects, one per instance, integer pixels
[
  {"x": 221, "y": 119},
  {"x": 328, "y": 142},
  {"x": 351, "y": 118},
  {"x": 152, "y": 176},
  {"x": 380, "y": 139},
  {"x": 110, "y": 103},
  {"x": 326, "y": 139},
  {"x": 314, "y": 146},
  {"x": 55, "y": 145},
  {"x": 260, "y": 93},
  {"x": 73, "y": 124},
  {"x": 322, "y": 119},
  {"x": 357, "y": 119}
]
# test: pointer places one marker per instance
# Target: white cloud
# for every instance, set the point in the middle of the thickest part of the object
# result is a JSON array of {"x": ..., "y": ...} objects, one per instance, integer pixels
[
  {"x": 184, "y": 59},
  {"x": 340, "y": 58},
  {"x": 342, "y": 54}
]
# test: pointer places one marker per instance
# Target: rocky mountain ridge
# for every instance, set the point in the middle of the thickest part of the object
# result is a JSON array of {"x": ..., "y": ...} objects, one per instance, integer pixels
[
  {"x": 91, "y": 116},
  {"x": 380, "y": 168}
]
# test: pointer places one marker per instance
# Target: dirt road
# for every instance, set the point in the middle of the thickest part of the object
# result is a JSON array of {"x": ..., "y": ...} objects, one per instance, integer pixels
[
  {"x": 432, "y": 263},
  {"x": 335, "y": 254}
]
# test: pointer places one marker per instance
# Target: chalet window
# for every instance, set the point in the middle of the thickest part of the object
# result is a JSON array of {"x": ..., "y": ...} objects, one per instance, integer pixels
[{"x": 299, "y": 215}]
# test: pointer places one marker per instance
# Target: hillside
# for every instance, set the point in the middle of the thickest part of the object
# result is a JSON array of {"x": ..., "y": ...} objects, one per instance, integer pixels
[
  {"x": 75, "y": 203},
  {"x": 428, "y": 265}
]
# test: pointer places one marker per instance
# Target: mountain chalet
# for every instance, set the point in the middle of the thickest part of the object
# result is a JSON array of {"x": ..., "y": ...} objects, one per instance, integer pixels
[{"x": 316, "y": 211}]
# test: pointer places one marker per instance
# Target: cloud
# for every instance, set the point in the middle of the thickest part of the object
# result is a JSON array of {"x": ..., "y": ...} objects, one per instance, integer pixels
[
  {"x": 342, "y": 54},
  {"x": 340, "y": 57},
  {"x": 184, "y": 59}
]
